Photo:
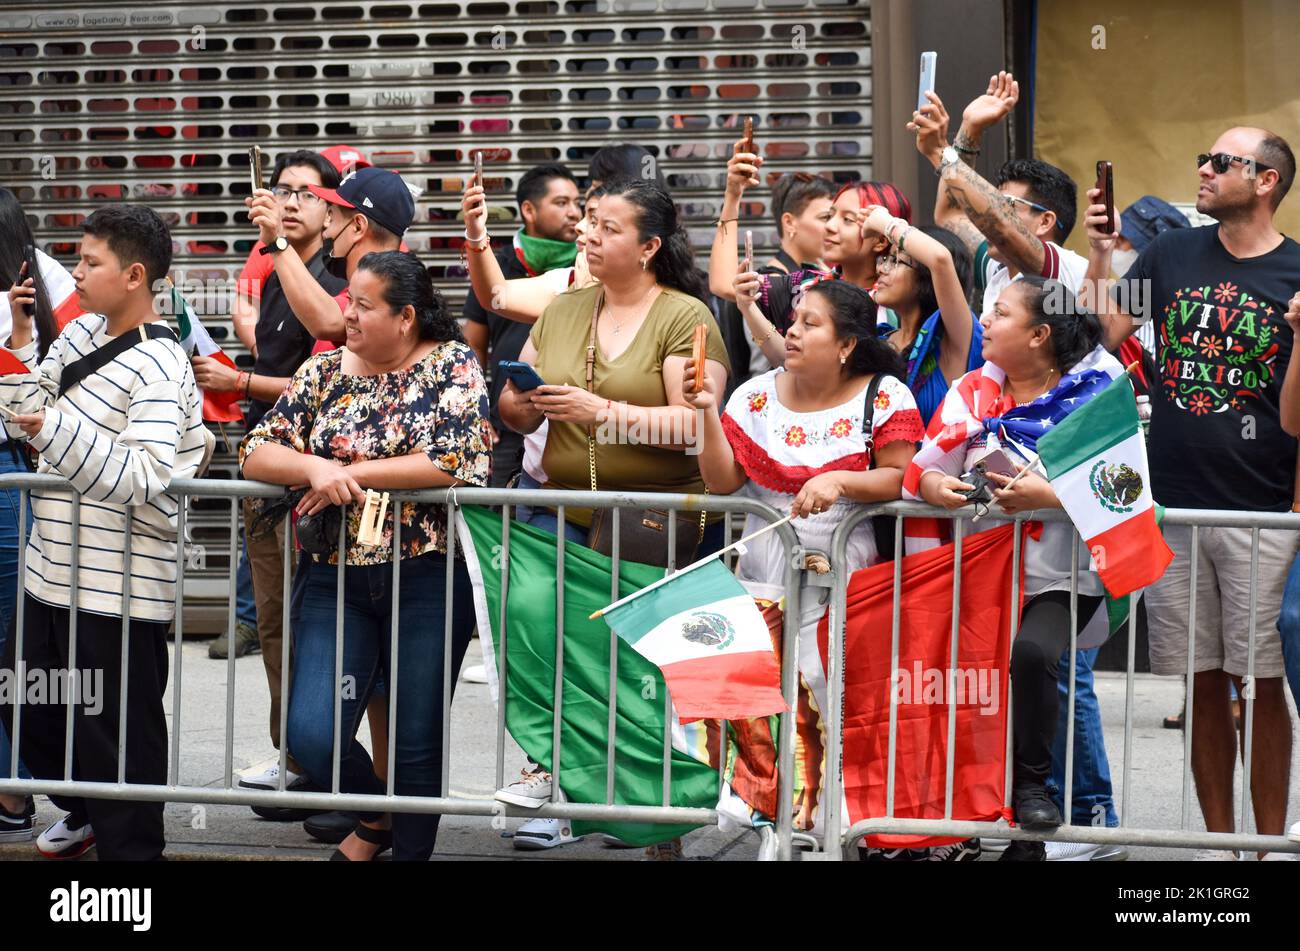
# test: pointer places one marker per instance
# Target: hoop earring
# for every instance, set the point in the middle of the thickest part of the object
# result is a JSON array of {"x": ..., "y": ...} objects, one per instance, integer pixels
[{"x": 645, "y": 264}]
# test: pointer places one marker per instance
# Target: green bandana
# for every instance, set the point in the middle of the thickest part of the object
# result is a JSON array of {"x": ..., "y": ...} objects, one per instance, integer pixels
[{"x": 542, "y": 254}]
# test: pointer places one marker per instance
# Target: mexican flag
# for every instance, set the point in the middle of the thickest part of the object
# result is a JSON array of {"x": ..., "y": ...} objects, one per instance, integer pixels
[
  {"x": 926, "y": 681},
  {"x": 1096, "y": 460},
  {"x": 705, "y": 634},
  {"x": 196, "y": 341},
  {"x": 521, "y": 670}
]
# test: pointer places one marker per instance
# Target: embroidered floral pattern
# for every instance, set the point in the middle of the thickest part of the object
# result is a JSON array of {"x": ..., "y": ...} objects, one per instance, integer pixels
[
  {"x": 882, "y": 400},
  {"x": 795, "y": 436},
  {"x": 841, "y": 428},
  {"x": 757, "y": 402},
  {"x": 439, "y": 407}
]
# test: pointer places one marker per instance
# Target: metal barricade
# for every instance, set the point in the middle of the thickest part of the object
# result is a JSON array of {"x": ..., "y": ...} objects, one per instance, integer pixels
[
  {"x": 836, "y": 838},
  {"x": 176, "y": 790}
]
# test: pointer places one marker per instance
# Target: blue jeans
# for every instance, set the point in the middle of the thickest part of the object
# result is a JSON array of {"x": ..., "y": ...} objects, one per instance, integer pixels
[
  {"x": 245, "y": 606},
  {"x": 1288, "y": 625},
  {"x": 9, "y": 548},
  {"x": 1092, "y": 793},
  {"x": 367, "y": 627}
]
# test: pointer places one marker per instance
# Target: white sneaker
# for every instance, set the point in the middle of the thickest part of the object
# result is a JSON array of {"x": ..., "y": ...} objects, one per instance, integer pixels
[
  {"x": 474, "y": 674},
  {"x": 537, "y": 834},
  {"x": 1293, "y": 833},
  {"x": 1084, "y": 852},
  {"x": 268, "y": 778},
  {"x": 994, "y": 845},
  {"x": 532, "y": 790},
  {"x": 1215, "y": 855},
  {"x": 60, "y": 841}
]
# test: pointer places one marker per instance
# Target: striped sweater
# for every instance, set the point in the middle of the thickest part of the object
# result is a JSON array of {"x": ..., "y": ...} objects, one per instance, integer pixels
[{"x": 120, "y": 437}]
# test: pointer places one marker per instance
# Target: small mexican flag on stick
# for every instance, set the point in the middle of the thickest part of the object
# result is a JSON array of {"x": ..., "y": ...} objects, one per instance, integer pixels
[
  {"x": 701, "y": 628},
  {"x": 1096, "y": 460}
]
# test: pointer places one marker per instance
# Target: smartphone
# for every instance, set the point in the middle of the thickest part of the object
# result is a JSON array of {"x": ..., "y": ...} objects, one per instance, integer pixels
[
  {"x": 523, "y": 376},
  {"x": 699, "y": 350},
  {"x": 748, "y": 145},
  {"x": 255, "y": 167},
  {"x": 928, "y": 62},
  {"x": 749, "y": 248},
  {"x": 1106, "y": 184},
  {"x": 29, "y": 259},
  {"x": 478, "y": 168}
]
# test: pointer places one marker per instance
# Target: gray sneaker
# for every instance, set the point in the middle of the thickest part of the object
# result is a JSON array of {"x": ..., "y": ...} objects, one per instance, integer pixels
[{"x": 246, "y": 642}]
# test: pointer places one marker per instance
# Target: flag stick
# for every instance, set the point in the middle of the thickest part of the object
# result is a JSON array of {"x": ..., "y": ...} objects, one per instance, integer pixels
[{"x": 703, "y": 561}]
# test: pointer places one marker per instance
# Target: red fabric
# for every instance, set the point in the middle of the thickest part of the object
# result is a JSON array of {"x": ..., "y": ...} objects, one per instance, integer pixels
[
  {"x": 222, "y": 407},
  {"x": 68, "y": 311},
  {"x": 1130, "y": 352},
  {"x": 1131, "y": 555},
  {"x": 925, "y": 629}
]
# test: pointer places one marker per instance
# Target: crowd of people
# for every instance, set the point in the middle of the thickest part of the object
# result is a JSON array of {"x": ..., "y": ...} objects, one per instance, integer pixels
[{"x": 825, "y": 370}]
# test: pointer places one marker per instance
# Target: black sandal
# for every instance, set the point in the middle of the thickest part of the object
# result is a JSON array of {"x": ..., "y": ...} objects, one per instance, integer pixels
[{"x": 380, "y": 837}]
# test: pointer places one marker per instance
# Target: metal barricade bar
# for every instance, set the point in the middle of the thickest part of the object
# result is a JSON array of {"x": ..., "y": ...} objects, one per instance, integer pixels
[{"x": 447, "y": 804}]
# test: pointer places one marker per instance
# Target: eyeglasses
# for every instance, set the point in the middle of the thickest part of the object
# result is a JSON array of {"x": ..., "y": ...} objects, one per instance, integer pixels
[
  {"x": 305, "y": 196},
  {"x": 1015, "y": 200},
  {"x": 891, "y": 261},
  {"x": 1222, "y": 161}
]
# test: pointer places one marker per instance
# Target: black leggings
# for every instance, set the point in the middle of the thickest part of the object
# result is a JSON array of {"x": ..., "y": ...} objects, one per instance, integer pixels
[{"x": 1043, "y": 637}]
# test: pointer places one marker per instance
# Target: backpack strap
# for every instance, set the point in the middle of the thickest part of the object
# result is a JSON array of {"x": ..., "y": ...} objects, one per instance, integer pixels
[{"x": 96, "y": 360}]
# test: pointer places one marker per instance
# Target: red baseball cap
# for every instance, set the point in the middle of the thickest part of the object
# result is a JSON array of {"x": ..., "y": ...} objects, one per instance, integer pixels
[{"x": 345, "y": 158}]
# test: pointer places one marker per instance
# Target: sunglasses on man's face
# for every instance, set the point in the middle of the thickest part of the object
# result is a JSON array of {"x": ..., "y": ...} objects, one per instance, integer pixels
[{"x": 1222, "y": 161}]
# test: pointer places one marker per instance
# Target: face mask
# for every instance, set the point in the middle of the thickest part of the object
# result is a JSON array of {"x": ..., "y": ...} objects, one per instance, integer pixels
[
  {"x": 337, "y": 267},
  {"x": 1121, "y": 261}
]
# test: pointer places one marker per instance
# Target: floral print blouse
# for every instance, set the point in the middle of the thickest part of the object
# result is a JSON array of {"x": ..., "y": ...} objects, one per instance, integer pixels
[{"x": 438, "y": 406}]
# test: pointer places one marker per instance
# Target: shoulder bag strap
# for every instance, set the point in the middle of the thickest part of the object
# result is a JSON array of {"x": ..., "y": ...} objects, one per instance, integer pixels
[
  {"x": 97, "y": 359},
  {"x": 868, "y": 417},
  {"x": 591, "y": 377}
]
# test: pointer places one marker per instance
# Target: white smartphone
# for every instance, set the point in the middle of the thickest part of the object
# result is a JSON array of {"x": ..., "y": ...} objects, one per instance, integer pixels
[{"x": 928, "y": 62}]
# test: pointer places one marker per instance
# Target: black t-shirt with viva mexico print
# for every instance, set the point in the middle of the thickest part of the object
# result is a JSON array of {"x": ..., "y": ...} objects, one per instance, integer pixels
[{"x": 1222, "y": 348}]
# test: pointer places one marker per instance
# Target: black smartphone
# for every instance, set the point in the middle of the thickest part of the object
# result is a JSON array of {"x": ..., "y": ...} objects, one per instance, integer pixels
[
  {"x": 29, "y": 258},
  {"x": 523, "y": 376},
  {"x": 1106, "y": 184}
]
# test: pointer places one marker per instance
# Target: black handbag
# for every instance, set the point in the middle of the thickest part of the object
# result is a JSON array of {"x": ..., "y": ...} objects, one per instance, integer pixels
[{"x": 642, "y": 533}]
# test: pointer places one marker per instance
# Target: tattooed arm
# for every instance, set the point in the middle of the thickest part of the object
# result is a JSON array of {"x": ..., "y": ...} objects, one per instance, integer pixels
[{"x": 966, "y": 204}]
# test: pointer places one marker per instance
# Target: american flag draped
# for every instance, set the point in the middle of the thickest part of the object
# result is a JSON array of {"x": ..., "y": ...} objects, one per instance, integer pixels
[{"x": 976, "y": 404}]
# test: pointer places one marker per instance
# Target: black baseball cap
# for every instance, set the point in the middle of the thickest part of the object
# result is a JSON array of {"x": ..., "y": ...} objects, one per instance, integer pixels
[{"x": 377, "y": 193}]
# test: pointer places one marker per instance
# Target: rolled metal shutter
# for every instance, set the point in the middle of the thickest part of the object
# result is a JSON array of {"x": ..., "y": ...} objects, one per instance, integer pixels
[{"x": 104, "y": 102}]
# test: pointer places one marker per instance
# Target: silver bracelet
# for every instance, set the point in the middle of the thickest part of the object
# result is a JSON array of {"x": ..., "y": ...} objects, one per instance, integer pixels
[{"x": 478, "y": 244}]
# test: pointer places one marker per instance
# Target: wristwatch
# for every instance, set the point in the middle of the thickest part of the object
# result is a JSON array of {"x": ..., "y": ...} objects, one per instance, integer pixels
[
  {"x": 275, "y": 247},
  {"x": 949, "y": 157}
]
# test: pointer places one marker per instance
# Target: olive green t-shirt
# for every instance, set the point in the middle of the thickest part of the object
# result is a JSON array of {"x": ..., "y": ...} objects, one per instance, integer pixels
[{"x": 635, "y": 377}]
